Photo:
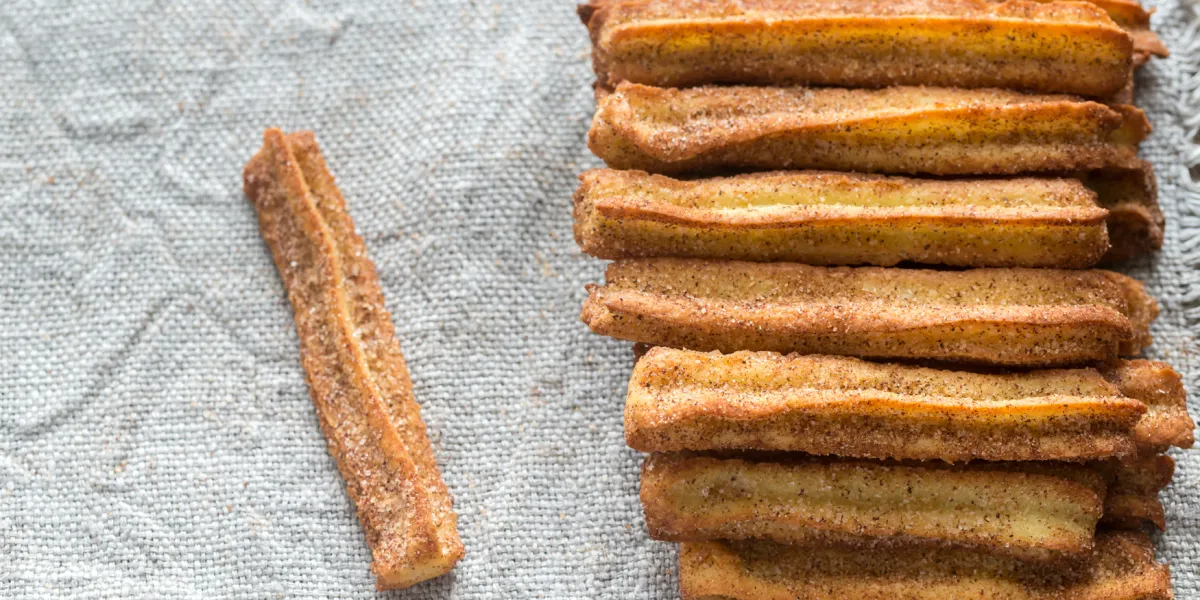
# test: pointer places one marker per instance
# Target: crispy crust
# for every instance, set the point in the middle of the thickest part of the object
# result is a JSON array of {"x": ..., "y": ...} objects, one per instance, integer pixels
[
  {"x": 1135, "y": 221},
  {"x": 356, "y": 374},
  {"x": 940, "y": 131},
  {"x": 1135, "y": 20},
  {"x": 1033, "y": 516},
  {"x": 1121, "y": 568},
  {"x": 1051, "y": 47},
  {"x": 827, "y": 405},
  {"x": 830, "y": 218},
  {"x": 1018, "y": 317},
  {"x": 1133, "y": 487},
  {"x": 1166, "y": 422},
  {"x": 1141, "y": 309}
]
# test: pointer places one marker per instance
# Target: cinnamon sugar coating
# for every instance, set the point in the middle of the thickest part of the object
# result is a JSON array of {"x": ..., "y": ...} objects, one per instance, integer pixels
[
  {"x": 831, "y": 405},
  {"x": 905, "y": 130},
  {"x": 356, "y": 375},
  {"x": 1047, "y": 516},
  {"x": 1052, "y": 47},
  {"x": 1016, "y": 317},
  {"x": 1121, "y": 567}
]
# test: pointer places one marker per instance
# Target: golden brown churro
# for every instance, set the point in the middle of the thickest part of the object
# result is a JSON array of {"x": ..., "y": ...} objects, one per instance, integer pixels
[
  {"x": 356, "y": 374},
  {"x": 1034, "y": 516},
  {"x": 830, "y": 218},
  {"x": 1166, "y": 422},
  {"x": 1020, "y": 317},
  {"x": 1122, "y": 567},
  {"x": 830, "y": 405},
  {"x": 941, "y": 131},
  {"x": 1063, "y": 47},
  {"x": 1135, "y": 20}
]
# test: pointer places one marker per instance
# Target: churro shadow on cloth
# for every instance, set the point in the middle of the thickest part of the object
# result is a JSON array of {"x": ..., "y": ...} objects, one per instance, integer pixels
[{"x": 356, "y": 374}]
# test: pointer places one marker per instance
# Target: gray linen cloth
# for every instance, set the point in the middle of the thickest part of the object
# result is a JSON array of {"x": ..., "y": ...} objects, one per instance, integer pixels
[{"x": 156, "y": 435}]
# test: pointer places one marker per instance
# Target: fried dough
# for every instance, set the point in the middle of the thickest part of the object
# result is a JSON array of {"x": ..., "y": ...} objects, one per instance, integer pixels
[
  {"x": 830, "y": 218},
  {"x": 1166, "y": 422},
  {"x": 356, "y": 374},
  {"x": 1055, "y": 47},
  {"x": 1032, "y": 516},
  {"x": 1135, "y": 20},
  {"x": 1133, "y": 487},
  {"x": 830, "y": 405},
  {"x": 1122, "y": 567},
  {"x": 1018, "y": 317},
  {"x": 1135, "y": 221},
  {"x": 940, "y": 131}
]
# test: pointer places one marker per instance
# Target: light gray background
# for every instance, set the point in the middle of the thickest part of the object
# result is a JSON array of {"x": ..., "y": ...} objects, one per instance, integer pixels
[{"x": 156, "y": 436}]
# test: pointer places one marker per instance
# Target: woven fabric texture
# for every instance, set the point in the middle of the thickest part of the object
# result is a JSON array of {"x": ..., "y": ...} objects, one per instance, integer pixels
[{"x": 156, "y": 435}]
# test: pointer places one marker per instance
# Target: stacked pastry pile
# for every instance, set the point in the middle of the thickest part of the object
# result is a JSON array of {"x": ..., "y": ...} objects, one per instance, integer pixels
[{"x": 999, "y": 443}]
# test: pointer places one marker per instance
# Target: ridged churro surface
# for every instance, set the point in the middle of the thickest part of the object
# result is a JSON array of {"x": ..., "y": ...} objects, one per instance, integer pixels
[
  {"x": 830, "y": 218},
  {"x": 1166, "y": 422},
  {"x": 1135, "y": 20},
  {"x": 1020, "y": 317},
  {"x": 941, "y": 131},
  {"x": 828, "y": 405},
  {"x": 1048, "y": 47},
  {"x": 1034, "y": 516},
  {"x": 356, "y": 374},
  {"x": 1122, "y": 567}
]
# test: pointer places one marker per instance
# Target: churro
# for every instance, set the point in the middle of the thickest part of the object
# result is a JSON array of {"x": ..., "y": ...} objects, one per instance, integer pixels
[
  {"x": 1133, "y": 487},
  {"x": 1135, "y": 20},
  {"x": 1033, "y": 516},
  {"x": 940, "y": 131},
  {"x": 1135, "y": 221},
  {"x": 830, "y": 405},
  {"x": 1062, "y": 47},
  {"x": 1122, "y": 567},
  {"x": 830, "y": 218},
  {"x": 1166, "y": 422},
  {"x": 1019, "y": 317},
  {"x": 356, "y": 374}
]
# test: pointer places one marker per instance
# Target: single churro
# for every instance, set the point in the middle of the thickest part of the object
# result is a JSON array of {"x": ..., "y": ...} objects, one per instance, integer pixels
[
  {"x": 832, "y": 405},
  {"x": 1019, "y": 317},
  {"x": 1121, "y": 567},
  {"x": 1056, "y": 47},
  {"x": 940, "y": 131},
  {"x": 356, "y": 374},
  {"x": 831, "y": 218},
  {"x": 818, "y": 502}
]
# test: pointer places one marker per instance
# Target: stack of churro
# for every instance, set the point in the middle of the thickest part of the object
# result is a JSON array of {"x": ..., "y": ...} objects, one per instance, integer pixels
[{"x": 875, "y": 359}]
